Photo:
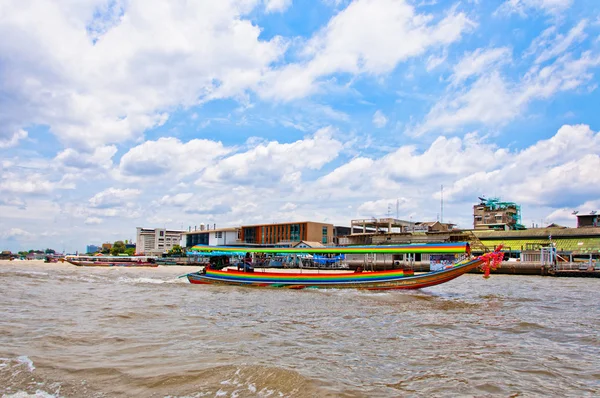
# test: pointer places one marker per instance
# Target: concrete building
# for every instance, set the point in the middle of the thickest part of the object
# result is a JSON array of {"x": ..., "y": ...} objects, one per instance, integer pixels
[
  {"x": 494, "y": 214},
  {"x": 588, "y": 220},
  {"x": 213, "y": 237},
  {"x": 271, "y": 234},
  {"x": 152, "y": 242},
  {"x": 92, "y": 249}
]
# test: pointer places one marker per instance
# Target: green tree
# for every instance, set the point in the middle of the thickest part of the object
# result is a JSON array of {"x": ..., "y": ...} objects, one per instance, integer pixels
[
  {"x": 176, "y": 251},
  {"x": 130, "y": 251},
  {"x": 118, "y": 248},
  {"x": 50, "y": 251}
]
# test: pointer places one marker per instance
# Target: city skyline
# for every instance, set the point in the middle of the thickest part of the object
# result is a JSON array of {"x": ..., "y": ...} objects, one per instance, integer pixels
[{"x": 117, "y": 114}]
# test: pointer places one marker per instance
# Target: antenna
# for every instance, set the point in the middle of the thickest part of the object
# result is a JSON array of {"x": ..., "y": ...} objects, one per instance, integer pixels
[
  {"x": 442, "y": 205},
  {"x": 575, "y": 212}
]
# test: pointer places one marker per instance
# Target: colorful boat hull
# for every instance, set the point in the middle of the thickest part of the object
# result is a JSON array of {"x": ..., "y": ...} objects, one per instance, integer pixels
[{"x": 383, "y": 280}]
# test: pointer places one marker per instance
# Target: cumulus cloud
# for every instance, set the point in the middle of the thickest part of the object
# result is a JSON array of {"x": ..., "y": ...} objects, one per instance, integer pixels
[
  {"x": 16, "y": 233},
  {"x": 542, "y": 173},
  {"x": 170, "y": 156},
  {"x": 90, "y": 72},
  {"x": 93, "y": 221},
  {"x": 178, "y": 200},
  {"x": 113, "y": 197},
  {"x": 273, "y": 161},
  {"x": 277, "y": 5},
  {"x": 98, "y": 158}
]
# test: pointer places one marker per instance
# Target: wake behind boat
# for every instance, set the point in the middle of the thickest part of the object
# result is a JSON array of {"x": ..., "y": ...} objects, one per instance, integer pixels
[
  {"x": 377, "y": 280},
  {"x": 112, "y": 261}
]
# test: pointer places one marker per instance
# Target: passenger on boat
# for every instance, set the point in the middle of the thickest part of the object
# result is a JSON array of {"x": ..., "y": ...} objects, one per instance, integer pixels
[
  {"x": 358, "y": 270},
  {"x": 248, "y": 263}
]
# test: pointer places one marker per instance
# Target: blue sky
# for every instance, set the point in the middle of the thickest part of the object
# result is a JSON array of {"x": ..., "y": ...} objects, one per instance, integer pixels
[{"x": 124, "y": 113}]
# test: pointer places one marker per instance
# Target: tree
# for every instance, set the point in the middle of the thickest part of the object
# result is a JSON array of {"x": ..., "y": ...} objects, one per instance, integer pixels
[
  {"x": 50, "y": 251},
  {"x": 118, "y": 248},
  {"x": 176, "y": 251},
  {"x": 130, "y": 251}
]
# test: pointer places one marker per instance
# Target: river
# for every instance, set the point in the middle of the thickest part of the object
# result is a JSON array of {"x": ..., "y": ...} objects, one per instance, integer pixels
[{"x": 69, "y": 331}]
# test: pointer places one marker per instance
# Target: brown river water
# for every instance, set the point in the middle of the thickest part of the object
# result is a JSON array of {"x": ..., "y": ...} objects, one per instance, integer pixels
[{"x": 69, "y": 331}]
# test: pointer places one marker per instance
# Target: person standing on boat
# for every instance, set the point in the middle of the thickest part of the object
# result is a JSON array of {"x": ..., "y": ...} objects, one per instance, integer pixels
[{"x": 248, "y": 262}]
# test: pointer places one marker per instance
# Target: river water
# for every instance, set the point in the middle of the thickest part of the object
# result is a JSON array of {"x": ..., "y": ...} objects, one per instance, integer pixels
[{"x": 114, "y": 332}]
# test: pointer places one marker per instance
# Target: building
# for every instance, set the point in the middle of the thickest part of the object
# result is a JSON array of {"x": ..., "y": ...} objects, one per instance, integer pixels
[
  {"x": 588, "y": 220},
  {"x": 271, "y": 234},
  {"x": 106, "y": 246},
  {"x": 152, "y": 242},
  {"x": 494, "y": 214},
  {"x": 213, "y": 237},
  {"x": 92, "y": 249}
]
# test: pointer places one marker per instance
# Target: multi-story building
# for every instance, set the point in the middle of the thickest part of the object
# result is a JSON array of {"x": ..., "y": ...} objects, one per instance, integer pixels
[
  {"x": 292, "y": 232},
  {"x": 152, "y": 242},
  {"x": 92, "y": 249},
  {"x": 212, "y": 237},
  {"x": 494, "y": 214}
]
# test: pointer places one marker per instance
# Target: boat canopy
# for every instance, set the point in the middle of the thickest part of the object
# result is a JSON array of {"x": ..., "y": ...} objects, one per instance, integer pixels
[{"x": 433, "y": 248}]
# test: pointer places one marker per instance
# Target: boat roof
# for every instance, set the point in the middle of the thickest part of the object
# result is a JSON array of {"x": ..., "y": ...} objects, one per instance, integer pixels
[{"x": 433, "y": 248}]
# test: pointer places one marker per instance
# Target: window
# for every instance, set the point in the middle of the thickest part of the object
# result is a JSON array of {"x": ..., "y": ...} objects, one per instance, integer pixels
[
  {"x": 162, "y": 233},
  {"x": 219, "y": 235},
  {"x": 325, "y": 231}
]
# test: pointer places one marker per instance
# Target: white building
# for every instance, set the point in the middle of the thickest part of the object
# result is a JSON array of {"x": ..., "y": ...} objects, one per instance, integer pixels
[
  {"x": 212, "y": 237},
  {"x": 152, "y": 242}
]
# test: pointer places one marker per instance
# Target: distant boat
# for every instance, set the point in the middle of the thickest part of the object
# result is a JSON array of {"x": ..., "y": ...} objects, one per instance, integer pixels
[
  {"x": 379, "y": 280},
  {"x": 112, "y": 261}
]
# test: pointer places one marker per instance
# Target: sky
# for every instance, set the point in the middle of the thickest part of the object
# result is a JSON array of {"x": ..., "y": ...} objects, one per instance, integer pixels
[{"x": 148, "y": 113}]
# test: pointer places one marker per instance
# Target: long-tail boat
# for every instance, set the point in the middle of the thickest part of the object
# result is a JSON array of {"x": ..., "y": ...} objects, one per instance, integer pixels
[
  {"x": 377, "y": 280},
  {"x": 112, "y": 261}
]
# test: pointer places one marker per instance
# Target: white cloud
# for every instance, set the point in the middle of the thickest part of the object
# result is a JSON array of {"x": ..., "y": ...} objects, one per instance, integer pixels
[
  {"x": 93, "y": 221},
  {"x": 14, "y": 139},
  {"x": 543, "y": 172},
  {"x": 277, "y": 5},
  {"x": 178, "y": 200},
  {"x": 433, "y": 61},
  {"x": 480, "y": 61},
  {"x": 170, "y": 157},
  {"x": 16, "y": 233},
  {"x": 367, "y": 37},
  {"x": 100, "y": 157},
  {"x": 379, "y": 119},
  {"x": 522, "y": 6},
  {"x": 493, "y": 99},
  {"x": 551, "y": 47},
  {"x": 26, "y": 183},
  {"x": 489, "y": 100},
  {"x": 113, "y": 197},
  {"x": 274, "y": 161},
  {"x": 97, "y": 74}
]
